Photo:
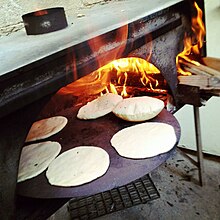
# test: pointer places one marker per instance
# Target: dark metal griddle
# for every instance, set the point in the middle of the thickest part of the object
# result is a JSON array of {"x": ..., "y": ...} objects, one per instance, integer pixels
[{"x": 97, "y": 132}]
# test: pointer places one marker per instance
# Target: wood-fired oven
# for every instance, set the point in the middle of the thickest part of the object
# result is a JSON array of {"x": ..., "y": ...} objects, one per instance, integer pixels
[{"x": 34, "y": 68}]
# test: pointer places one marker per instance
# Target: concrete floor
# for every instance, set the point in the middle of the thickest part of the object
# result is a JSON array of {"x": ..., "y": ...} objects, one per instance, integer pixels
[{"x": 181, "y": 195}]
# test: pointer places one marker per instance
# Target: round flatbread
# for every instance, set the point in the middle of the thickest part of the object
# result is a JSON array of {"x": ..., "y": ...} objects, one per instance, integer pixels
[
  {"x": 46, "y": 127},
  {"x": 99, "y": 107},
  {"x": 78, "y": 166},
  {"x": 138, "y": 109},
  {"x": 35, "y": 158},
  {"x": 144, "y": 140}
]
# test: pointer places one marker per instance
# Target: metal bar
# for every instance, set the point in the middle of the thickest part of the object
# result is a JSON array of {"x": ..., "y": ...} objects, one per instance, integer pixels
[
  {"x": 180, "y": 150},
  {"x": 199, "y": 144},
  {"x": 26, "y": 86}
]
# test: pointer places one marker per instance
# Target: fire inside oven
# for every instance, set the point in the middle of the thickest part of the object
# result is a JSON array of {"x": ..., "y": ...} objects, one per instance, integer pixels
[{"x": 127, "y": 77}]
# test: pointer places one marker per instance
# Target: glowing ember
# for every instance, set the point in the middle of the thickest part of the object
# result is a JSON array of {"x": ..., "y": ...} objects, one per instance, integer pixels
[
  {"x": 40, "y": 13},
  {"x": 192, "y": 46}
]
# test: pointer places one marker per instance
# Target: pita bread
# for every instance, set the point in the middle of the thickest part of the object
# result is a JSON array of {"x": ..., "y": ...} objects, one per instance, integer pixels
[
  {"x": 78, "y": 166},
  {"x": 35, "y": 158},
  {"x": 99, "y": 107},
  {"x": 45, "y": 128},
  {"x": 144, "y": 140},
  {"x": 138, "y": 109}
]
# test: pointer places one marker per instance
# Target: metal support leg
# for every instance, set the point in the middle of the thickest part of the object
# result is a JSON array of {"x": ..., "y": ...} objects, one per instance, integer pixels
[{"x": 199, "y": 144}]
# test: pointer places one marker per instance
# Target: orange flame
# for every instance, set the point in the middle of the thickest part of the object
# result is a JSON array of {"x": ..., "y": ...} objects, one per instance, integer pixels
[
  {"x": 41, "y": 12},
  {"x": 117, "y": 73},
  {"x": 97, "y": 81},
  {"x": 189, "y": 46},
  {"x": 100, "y": 44},
  {"x": 121, "y": 72},
  {"x": 125, "y": 71}
]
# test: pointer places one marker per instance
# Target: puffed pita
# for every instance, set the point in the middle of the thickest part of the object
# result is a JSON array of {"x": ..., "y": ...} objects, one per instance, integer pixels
[
  {"x": 99, "y": 107},
  {"x": 78, "y": 166},
  {"x": 35, "y": 158},
  {"x": 144, "y": 140},
  {"x": 46, "y": 127},
  {"x": 138, "y": 109}
]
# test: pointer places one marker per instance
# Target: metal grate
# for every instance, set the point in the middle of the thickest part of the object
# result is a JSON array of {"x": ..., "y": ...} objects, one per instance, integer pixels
[{"x": 138, "y": 192}]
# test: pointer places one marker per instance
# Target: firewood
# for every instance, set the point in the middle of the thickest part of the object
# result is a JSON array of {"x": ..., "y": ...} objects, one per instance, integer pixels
[
  {"x": 205, "y": 83},
  {"x": 212, "y": 62},
  {"x": 200, "y": 69}
]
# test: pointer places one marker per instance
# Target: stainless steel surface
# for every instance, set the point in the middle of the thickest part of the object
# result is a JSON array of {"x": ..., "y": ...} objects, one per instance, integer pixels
[{"x": 104, "y": 18}]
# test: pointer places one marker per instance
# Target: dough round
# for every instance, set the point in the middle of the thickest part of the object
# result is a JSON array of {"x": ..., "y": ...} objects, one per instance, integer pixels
[
  {"x": 46, "y": 127},
  {"x": 138, "y": 108},
  {"x": 78, "y": 166},
  {"x": 99, "y": 107},
  {"x": 144, "y": 140},
  {"x": 35, "y": 158}
]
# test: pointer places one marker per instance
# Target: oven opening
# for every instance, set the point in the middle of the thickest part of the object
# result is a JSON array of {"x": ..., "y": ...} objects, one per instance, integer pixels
[{"x": 128, "y": 77}]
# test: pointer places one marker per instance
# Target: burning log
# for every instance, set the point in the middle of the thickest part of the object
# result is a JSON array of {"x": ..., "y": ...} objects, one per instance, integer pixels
[
  {"x": 204, "y": 82},
  {"x": 205, "y": 78},
  {"x": 214, "y": 63},
  {"x": 143, "y": 91}
]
